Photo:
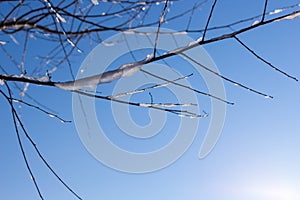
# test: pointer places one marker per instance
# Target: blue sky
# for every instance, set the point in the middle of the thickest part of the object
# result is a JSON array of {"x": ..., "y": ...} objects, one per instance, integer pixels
[{"x": 256, "y": 157}]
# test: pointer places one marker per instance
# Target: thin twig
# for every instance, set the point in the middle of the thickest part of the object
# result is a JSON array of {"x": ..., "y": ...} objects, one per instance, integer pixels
[
  {"x": 14, "y": 112},
  {"x": 225, "y": 78},
  {"x": 264, "y": 12},
  {"x": 183, "y": 113},
  {"x": 22, "y": 64},
  {"x": 20, "y": 142},
  {"x": 262, "y": 59},
  {"x": 161, "y": 19},
  {"x": 16, "y": 117},
  {"x": 208, "y": 19},
  {"x": 191, "y": 17},
  {"x": 42, "y": 110},
  {"x": 187, "y": 87},
  {"x": 147, "y": 88}
]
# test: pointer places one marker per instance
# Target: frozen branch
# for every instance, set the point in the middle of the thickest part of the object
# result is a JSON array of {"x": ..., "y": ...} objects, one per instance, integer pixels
[
  {"x": 106, "y": 77},
  {"x": 161, "y": 20},
  {"x": 187, "y": 87},
  {"x": 62, "y": 26},
  {"x": 131, "y": 68},
  {"x": 160, "y": 106},
  {"x": 148, "y": 88}
]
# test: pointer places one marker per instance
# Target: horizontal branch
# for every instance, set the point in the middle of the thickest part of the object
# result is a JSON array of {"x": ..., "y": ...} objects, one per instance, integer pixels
[
  {"x": 4, "y": 26},
  {"x": 224, "y": 36},
  {"x": 130, "y": 68},
  {"x": 166, "y": 107},
  {"x": 25, "y": 79}
]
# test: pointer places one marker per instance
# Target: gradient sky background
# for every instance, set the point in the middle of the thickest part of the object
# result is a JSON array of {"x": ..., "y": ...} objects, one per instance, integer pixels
[{"x": 257, "y": 156}]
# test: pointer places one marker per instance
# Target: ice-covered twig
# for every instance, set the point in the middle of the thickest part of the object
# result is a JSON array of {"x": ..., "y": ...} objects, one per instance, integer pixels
[
  {"x": 168, "y": 105},
  {"x": 95, "y": 2},
  {"x": 148, "y": 88},
  {"x": 290, "y": 17},
  {"x": 161, "y": 107},
  {"x": 3, "y": 42},
  {"x": 131, "y": 68},
  {"x": 187, "y": 87},
  {"x": 255, "y": 18},
  {"x": 59, "y": 18},
  {"x": 44, "y": 80}
]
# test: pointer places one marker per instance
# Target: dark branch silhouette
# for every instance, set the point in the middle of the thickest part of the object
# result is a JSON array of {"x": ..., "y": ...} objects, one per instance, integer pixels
[{"x": 65, "y": 28}]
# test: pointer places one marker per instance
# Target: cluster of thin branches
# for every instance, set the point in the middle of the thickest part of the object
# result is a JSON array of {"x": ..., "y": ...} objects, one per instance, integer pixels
[{"x": 65, "y": 25}]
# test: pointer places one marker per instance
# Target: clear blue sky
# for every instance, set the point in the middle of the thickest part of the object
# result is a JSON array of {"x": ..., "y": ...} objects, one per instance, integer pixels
[{"x": 257, "y": 156}]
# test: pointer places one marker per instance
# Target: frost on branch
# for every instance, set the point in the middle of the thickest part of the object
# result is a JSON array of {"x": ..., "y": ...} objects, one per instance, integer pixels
[
  {"x": 95, "y": 2},
  {"x": 24, "y": 77},
  {"x": 290, "y": 17},
  {"x": 276, "y": 11},
  {"x": 106, "y": 77}
]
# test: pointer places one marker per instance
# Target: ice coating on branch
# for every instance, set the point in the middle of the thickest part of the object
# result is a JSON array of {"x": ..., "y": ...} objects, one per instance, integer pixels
[
  {"x": 110, "y": 43},
  {"x": 199, "y": 39},
  {"x": 191, "y": 44},
  {"x": 71, "y": 43},
  {"x": 131, "y": 68},
  {"x": 290, "y": 17},
  {"x": 106, "y": 77},
  {"x": 14, "y": 39},
  {"x": 91, "y": 82},
  {"x": 149, "y": 57},
  {"x": 40, "y": 79},
  {"x": 60, "y": 18},
  {"x": 2, "y": 42},
  {"x": 180, "y": 33},
  {"x": 255, "y": 22},
  {"x": 276, "y": 11},
  {"x": 22, "y": 93},
  {"x": 1, "y": 82},
  {"x": 267, "y": 97},
  {"x": 31, "y": 35},
  {"x": 95, "y": 2},
  {"x": 43, "y": 79}
]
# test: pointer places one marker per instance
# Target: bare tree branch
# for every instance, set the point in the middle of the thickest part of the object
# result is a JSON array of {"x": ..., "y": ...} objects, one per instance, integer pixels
[
  {"x": 208, "y": 19},
  {"x": 66, "y": 28},
  {"x": 265, "y": 10},
  {"x": 262, "y": 59},
  {"x": 161, "y": 20},
  {"x": 16, "y": 119}
]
